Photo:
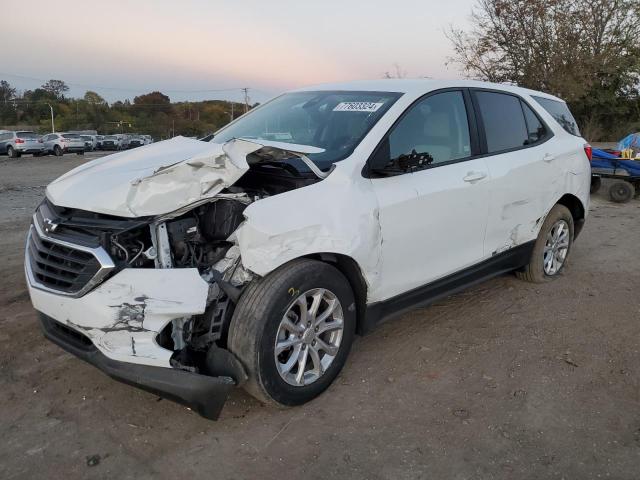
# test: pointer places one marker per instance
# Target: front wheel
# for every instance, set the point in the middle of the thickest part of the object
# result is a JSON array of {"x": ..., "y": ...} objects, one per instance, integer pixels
[
  {"x": 552, "y": 247},
  {"x": 292, "y": 330}
]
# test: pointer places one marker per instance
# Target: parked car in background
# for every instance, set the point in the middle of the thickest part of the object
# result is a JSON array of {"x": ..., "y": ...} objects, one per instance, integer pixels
[
  {"x": 136, "y": 141},
  {"x": 89, "y": 142},
  {"x": 60, "y": 143},
  {"x": 186, "y": 270},
  {"x": 15, "y": 144},
  {"x": 99, "y": 139},
  {"x": 111, "y": 142},
  {"x": 125, "y": 139},
  {"x": 147, "y": 139}
]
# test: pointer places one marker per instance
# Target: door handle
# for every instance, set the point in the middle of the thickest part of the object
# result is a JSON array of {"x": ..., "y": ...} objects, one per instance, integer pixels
[
  {"x": 473, "y": 177},
  {"x": 548, "y": 158}
]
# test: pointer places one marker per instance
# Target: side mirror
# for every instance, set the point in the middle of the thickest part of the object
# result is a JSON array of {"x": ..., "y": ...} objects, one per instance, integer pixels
[{"x": 382, "y": 165}]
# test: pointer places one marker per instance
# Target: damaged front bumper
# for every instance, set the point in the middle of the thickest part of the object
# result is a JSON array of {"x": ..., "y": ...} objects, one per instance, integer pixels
[
  {"x": 115, "y": 327},
  {"x": 204, "y": 394}
]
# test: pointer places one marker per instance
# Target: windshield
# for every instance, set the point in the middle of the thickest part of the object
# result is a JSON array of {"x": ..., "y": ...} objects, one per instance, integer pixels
[{"x": 335, "y": 121}]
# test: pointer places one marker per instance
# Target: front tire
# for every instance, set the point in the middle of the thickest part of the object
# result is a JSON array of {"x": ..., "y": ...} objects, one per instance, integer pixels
[
  {"x": 292, "y": 330},
  {"x": 552, "y": 247}
]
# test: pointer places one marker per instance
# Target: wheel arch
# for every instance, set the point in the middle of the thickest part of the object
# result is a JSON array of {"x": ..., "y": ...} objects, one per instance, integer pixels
[
  {"x": 353, "y": 273},
  {"x": 575, "y": 206}
]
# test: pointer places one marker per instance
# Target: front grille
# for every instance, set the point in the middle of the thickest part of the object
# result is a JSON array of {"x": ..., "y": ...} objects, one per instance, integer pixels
[{"x": 60, "y": 267}]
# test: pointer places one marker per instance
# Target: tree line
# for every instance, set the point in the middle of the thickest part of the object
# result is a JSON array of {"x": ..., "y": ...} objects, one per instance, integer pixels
[
  {"x": 584, "y": 51},
  {"x": 151, "y": 113}
]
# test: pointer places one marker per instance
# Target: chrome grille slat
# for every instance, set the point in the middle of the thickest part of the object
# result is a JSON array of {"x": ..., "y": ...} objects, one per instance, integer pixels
[{"x": 62, "y": 267}]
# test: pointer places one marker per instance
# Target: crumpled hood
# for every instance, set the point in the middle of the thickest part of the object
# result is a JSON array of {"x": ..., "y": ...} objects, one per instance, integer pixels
[{"x": 158, "y": 178}]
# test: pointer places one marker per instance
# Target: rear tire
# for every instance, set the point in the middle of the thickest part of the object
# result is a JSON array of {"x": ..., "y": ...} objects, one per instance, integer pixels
[
  {"x": 266, "y": 315},
  {"x": 621, "y": 192},
  {"x": 57, "y": 151},
  {"x": 550, "y": 249},
  {"x": 12, "y": 152}
]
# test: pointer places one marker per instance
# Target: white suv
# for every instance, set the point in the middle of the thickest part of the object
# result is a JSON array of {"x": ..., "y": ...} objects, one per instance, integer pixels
[{"x": 189, "y": 267}]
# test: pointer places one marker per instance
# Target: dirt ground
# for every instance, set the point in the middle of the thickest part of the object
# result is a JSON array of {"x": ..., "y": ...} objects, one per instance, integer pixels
[{"x": 506, "y": 380}]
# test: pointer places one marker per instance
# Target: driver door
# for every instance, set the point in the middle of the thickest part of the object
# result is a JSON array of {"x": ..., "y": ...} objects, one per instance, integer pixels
[{"x": 433, "y": 219}]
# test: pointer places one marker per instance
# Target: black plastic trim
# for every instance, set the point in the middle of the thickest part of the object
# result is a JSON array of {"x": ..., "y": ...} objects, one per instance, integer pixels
[
  {"x": 204, "y": 394},
  {"x": 516, "y": 257}
]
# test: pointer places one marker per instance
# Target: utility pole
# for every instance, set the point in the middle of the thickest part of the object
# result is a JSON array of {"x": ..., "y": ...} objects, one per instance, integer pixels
[
  {"x": 246, "y": 99},
  {"x": 231, "y": 111},
  {"x": 53, "y": 127}
]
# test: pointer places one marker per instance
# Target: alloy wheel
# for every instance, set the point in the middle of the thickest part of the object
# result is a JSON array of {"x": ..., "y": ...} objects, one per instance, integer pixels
[
  {"x": 309, "y": 337},
  {"x": 556, "y": 247}
]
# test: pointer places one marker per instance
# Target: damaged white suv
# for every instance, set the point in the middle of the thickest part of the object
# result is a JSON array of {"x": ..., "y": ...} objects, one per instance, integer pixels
[{"x": 187, "y": 267}]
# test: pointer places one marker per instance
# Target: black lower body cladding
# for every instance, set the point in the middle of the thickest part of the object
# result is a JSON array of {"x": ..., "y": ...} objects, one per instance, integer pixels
[{"x": 204, "y": 394}]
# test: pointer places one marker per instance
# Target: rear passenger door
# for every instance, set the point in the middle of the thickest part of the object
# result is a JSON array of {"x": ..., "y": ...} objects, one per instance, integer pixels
[{"x": 520, "y": 161}]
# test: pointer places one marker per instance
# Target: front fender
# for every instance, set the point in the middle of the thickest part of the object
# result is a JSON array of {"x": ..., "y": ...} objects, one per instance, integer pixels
[{"x": 337, "y": 216}]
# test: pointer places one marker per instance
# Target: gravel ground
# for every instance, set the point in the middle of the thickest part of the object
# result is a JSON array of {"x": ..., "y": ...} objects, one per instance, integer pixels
[{"x": 506, "y": 380}]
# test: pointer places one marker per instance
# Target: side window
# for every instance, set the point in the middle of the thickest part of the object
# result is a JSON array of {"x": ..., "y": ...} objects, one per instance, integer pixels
[
  {"x": 535, "y": 128},
  {"x": 503, "y": 120},
  {"x": 435, "y": 127},
  {"x": 4, "y": 137}
]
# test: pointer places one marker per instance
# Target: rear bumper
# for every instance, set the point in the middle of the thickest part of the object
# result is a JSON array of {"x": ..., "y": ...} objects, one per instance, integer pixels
[
  {"x": 204, "y": 394},
  {"x": 30, "y": 149},
  {"x": 74, "y": 149}
]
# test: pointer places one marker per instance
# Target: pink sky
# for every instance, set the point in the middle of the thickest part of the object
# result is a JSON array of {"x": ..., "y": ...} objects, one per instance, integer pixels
[{"x": 269, "y": 46}]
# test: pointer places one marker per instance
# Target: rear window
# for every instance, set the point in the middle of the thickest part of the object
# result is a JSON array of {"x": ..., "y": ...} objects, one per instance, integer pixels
[
  {"x": 560, "y": 112},
  {"x": 30, "y": 135},
  {"x": 71, "y": 135}
]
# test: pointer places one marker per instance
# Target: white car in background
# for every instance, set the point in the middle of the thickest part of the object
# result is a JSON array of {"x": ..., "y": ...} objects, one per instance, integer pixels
[
  {"x": 60, "y": 143},
  {"x": 111, "y": 142},
  {"x": 190, "y": 267}
]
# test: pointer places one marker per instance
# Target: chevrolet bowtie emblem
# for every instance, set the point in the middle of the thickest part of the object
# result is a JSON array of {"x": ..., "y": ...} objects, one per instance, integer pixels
[{"x": 49, "y": 225}]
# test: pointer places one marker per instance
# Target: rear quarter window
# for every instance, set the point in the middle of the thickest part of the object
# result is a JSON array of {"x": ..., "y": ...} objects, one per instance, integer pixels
[{"x": 561, "y": 114}]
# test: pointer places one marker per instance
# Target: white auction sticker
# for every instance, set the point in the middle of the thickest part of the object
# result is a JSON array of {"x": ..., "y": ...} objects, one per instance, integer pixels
[{"x": 357, "y": 107}]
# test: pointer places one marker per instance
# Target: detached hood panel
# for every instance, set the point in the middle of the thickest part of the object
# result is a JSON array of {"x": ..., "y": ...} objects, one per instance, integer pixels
[{"x": 156, "y": 179}]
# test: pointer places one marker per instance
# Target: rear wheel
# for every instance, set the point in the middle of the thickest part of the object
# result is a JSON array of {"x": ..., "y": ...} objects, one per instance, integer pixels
[
  {"x": 57, "y": 151},
  {"x": 12, "y": 152},
  {"x": 293, "y": 330},
  {"x": 552, "y": 247},
  {"x": 621, "y": 192}
]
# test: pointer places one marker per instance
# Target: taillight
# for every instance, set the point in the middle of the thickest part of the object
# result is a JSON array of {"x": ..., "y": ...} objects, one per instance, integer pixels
[
  {"x": 64, "y": 140},
  {"x": 588, "y": 150},
  {"x": 19, "y": 140}
]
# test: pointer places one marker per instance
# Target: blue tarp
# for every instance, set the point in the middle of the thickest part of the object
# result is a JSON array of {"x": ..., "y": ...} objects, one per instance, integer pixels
[{"x": 630, "y": 141}]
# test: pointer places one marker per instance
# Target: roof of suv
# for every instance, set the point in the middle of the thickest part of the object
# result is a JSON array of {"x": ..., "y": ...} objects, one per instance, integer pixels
[{"x": 418, "y": 86}]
